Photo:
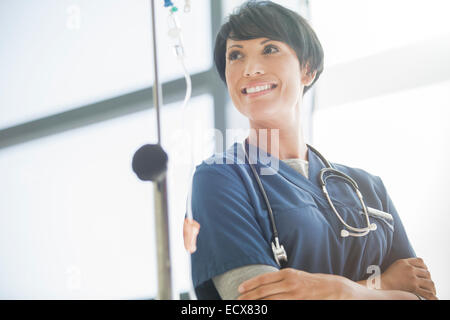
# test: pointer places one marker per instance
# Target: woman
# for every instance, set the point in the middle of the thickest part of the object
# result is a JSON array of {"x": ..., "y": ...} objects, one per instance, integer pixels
[{"x": 268, "y": 57}]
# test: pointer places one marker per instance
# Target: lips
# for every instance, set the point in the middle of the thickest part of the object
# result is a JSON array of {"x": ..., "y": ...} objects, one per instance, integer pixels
[{"x": 253, "y": 86}]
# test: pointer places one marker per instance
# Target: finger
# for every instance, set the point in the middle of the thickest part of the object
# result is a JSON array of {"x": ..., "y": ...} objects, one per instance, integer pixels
[
  {"x": 260, "y": 280},
  {"x": 263, "y": 291},
  {"x": 427, "y": 285},
  {"x": 422, "y": 273},
  {"x": 425, "y": 280},
  {"x": 190, "y": 231},
  {"x": 426, "y": 294},
  {"x": 418, "y": 262},
  {"x": 191, "y": 223},
  {"x": 193, "y": 242}
]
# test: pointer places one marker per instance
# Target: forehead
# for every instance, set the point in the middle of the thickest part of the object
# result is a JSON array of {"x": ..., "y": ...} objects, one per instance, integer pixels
[{"x": 249, "y": 43}]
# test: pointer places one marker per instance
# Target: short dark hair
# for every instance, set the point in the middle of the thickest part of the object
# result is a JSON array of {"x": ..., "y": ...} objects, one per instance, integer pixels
[{"x": 265, "y": 19}]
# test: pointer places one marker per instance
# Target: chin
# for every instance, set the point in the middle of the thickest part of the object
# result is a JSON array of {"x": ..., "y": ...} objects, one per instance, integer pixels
[
  {"x": 263, "y": 109},
  {"x": 262, "y": 116},
  {"x": 258, "y": 110}
]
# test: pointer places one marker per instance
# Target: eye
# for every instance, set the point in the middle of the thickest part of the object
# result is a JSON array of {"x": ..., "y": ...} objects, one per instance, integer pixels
[
  {"x": 270, "y": 49},
  {"x": 232, "y": 55}
]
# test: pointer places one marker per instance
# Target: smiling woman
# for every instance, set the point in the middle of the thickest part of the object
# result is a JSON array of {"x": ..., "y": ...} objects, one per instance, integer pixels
[
  {"x": 283, "y": 26},
  {"x": 268, "y": 57},
  {"x": 265, "y": 44},
  {"x": 265, "y": 78}
]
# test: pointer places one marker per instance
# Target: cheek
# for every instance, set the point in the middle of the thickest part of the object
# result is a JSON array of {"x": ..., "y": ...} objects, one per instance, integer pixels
[
  {"x": 231, "y": 78},
  {"x": 228, "y": 78},
  {"x": 292, "y": 79}
]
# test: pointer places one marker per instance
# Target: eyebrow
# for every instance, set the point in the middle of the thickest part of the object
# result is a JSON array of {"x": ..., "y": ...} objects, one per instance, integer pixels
[{"x": 240, "y": 46}]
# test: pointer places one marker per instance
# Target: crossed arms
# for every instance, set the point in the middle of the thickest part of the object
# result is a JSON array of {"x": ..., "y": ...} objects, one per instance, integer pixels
[{"x": 404, "y": 279}]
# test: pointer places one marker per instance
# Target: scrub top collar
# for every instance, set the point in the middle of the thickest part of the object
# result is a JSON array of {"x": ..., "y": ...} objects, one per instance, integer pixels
[{"x": 311, "y": 185}]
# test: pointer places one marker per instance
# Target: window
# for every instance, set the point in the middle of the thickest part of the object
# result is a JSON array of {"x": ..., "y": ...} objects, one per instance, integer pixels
[
  {"x": 230, "y": 5},
  {"x": 59, "y": 55},
  {"x": 351, "y": 29},
  {"x": 75, "y": 221}
]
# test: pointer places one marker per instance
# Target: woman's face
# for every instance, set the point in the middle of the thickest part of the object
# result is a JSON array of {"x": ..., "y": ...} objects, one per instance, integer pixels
[{"x": 263, "y": 78}]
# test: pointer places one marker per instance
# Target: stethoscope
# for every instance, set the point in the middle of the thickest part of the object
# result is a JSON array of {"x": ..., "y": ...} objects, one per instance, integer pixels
[{"x": 329, "y": 172}]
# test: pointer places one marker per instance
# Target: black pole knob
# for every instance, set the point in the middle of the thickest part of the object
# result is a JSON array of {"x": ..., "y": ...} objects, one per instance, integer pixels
[{"x": 150, "y": 162}]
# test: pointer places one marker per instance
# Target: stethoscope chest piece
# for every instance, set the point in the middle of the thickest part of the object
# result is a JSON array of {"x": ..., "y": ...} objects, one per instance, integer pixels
[{"x": 278, "y": 252}]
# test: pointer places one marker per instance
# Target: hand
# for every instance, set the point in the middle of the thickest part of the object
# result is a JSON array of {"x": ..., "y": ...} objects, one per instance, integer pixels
[
  {"x": 190, "y": 232},
  {"x": 292, "y": 284},
  {"x": 410, "y": 275}
]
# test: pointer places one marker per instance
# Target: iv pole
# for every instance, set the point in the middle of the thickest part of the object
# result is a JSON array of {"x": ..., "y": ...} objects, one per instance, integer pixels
[
  {"x": 150, "y": 161},
  {"x": 160, "y": 189}
]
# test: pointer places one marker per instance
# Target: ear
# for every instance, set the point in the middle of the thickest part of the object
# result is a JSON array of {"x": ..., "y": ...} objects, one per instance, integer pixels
[{"x": 308, "y": 77}]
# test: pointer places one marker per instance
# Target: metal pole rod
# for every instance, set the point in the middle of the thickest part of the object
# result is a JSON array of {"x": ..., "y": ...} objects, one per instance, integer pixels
[
  {"x": 157, "y": 96},
  {"x": 162, "y": 241},
  {"x": 160, "y": 190}
]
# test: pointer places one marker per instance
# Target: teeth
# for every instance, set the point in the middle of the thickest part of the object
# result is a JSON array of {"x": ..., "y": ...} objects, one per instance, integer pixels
[{"x": 259, "y": 88}]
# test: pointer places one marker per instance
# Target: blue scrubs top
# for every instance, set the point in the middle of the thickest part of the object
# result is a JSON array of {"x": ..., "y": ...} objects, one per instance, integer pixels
[{"x": 235, "y": 227}]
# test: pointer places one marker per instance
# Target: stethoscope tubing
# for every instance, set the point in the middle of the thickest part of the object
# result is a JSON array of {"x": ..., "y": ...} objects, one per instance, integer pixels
[{"x": 325, "y": 173}]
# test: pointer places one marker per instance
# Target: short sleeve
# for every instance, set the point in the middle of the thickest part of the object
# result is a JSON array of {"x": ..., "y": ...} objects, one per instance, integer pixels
[
  {"x": 230, "y": 235},
  {"x": 401, "y": 247}
]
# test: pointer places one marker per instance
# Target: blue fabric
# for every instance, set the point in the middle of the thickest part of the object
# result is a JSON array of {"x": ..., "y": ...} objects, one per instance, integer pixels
[{"x": 235, "y": 228}]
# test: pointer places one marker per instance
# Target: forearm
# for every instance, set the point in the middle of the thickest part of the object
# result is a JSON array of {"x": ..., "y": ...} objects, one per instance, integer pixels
[
  {"x": 310, "y": 285},
  {"x": 227, "y": 283},
  {"x": 359, "y": 291},
  {"x": 370, "y": 294}
]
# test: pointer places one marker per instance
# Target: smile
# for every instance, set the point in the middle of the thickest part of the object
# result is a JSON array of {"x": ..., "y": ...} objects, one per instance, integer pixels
[{"x": 258, "y": 90}]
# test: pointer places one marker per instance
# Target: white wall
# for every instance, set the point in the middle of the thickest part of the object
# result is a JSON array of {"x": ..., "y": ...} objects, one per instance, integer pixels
[{"x": 383, "y": 105}]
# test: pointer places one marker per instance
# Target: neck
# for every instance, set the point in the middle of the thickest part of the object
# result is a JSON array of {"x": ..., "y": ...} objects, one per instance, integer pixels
[
  {"x": 285, "y": 143},
  {"x": 282, "y": 135}
]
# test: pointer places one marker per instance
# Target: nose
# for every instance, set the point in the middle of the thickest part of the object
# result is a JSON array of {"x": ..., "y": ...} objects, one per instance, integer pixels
[{"x": 253, "y": 67}]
